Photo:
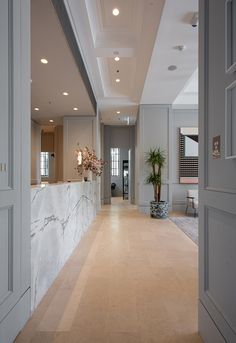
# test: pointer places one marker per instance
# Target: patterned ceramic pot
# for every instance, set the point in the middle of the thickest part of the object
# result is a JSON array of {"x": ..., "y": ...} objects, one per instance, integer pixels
[{"x": 159, "y": 210}]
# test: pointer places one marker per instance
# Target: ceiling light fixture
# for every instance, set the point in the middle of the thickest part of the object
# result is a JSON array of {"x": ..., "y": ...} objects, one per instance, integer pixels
[
  {"x": 65, "y": 93},
  {"x": 172, "y": 67},
  {"x": 75, "y": 108},
  {"x": 115, "y": 12},
  {"x": 180, "y": 47},
  {"x": 117, "y": 58},
  {"x": 44, "y": 61},
  {"x": 51, "y": 120},
  {"x": 117, "y": 80},
  {"x": 36, "y": 109},
  {"x": 118, "y": 112}
]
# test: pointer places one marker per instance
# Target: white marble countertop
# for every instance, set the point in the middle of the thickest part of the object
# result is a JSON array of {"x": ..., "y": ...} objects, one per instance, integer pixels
[
  {"x": 60, "y": 215},
  {"x": 46, "y": 184}
]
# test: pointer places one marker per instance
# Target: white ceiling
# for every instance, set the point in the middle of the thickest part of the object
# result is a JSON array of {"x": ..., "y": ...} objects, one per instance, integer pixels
[
  {"x": 101, "y": 36},
  {"x": 189, "y": 94},
  {"x": 61, "y": 74},
  {"x": 143, "y": 35},
  {"x": 162, "y": 86}
]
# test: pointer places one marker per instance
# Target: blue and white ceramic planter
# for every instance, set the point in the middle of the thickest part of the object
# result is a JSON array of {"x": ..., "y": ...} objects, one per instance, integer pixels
[{"x": 159, "y": 210}]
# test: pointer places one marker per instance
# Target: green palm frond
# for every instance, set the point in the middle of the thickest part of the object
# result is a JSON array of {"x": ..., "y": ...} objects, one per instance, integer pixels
[
  {"x": 154, "y": 179},
  {"x": 155, "y": 158}
]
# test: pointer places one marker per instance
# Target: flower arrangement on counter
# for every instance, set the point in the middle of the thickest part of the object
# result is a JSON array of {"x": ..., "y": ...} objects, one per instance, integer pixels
[{"x": 87, "y": 160}]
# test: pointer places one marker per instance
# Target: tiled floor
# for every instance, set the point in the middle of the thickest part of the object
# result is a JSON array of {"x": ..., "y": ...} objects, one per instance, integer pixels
[{"x": 132, "y": 279}]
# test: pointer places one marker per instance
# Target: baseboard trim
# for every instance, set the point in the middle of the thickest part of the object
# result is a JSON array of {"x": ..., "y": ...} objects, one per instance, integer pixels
[
  {"x": 207, "y": 328},
  {"x": 12, "y": 324},
  {"x": 179, "y": 206}
]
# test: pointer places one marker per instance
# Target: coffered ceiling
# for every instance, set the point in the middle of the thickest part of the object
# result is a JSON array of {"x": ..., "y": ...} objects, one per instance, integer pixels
[
  {"x": 102, "y": 37},
  {"x": 144, "y": 36}
]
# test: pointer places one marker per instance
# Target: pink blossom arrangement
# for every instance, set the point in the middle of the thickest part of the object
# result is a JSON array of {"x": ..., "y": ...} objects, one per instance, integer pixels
[{"x": 87, "y": 160}]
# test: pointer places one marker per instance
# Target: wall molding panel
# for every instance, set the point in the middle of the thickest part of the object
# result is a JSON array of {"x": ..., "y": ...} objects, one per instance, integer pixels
[
  {"x": 217, "y": 187},
  {"x": 14, "y": 167}
]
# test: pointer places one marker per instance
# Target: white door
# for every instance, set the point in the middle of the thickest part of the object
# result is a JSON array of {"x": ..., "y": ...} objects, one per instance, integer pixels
[
  {"x": 217, "y": 215},
  {"x": 14, "y": 167}
]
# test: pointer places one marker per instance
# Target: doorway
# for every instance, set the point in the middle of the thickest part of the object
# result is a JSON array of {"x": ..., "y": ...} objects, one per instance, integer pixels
[{"x": 119, "y": 171}]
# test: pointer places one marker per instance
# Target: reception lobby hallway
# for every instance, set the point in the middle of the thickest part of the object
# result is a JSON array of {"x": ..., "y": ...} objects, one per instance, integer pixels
[{"x": 132, "y": 279}]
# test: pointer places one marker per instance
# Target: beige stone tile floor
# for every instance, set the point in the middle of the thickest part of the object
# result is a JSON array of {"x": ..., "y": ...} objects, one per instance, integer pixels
[{"x": 132, "y": 279}]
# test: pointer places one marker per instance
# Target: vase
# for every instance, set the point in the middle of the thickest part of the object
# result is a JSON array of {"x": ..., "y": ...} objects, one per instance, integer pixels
[
  {"x": 87, "y": 175},
  {"x": 159, "y": 210}
]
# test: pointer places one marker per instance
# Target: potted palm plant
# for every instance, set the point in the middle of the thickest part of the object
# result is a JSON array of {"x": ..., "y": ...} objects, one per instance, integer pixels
[{"x": 155, "y": 158}]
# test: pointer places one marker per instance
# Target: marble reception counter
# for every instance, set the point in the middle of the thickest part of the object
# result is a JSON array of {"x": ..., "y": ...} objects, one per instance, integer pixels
[{"x": 60, "y": 215}]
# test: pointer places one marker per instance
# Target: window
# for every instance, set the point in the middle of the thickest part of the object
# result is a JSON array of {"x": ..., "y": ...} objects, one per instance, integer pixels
[
  {"x": 44, "y": 164},
  {"x": 115, "y": 161}
]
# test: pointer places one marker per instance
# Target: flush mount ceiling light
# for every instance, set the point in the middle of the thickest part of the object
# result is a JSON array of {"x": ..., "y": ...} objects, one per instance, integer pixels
[
  {"x": 115, "y": 12},
  {"x": 172, "y": 67},
  {"x": 117, "y": 58},
  {"x": 117, "y": 80},
  {"x": 44, "y": 61},
  {"x": 51, "y": 120},
  {"x": 65, "y": 93},
  {"x": 180, "y": 47},
  {"x": 36, "y": 109},
  {"x": 75, "y": 108}
]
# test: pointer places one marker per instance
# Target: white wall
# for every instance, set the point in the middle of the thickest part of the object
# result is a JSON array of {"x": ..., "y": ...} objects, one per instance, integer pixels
[
  {"x": 35, "y": 152},
  {"x": 180, "y": 118},
  {"x": 153, "y": 130},
  {"x": 82, "y": 130},
  {"x": 58, "y": 148},
  {"x": 158, "y": 126}
]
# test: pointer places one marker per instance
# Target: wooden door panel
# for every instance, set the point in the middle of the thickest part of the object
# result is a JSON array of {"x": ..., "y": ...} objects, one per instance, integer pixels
[
  {"x": 5, "y": 253},
  {"x": 14, "y": 116},
  {"x": 6, "y": 95},
  {"x": 217, "y": 198}
]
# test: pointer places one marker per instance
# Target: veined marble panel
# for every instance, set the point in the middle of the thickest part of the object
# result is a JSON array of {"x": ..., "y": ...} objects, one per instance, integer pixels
[{"x": 60, "y": 215}]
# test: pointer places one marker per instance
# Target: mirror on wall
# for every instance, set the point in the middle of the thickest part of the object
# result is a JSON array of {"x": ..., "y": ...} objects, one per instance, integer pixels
[{"x": 188, "y": 155}]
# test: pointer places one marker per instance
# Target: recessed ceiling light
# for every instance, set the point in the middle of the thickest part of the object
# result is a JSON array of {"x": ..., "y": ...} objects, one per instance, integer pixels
[
  {"x": 172, "y": 67},
  {"x": 118, "y": 112},
  {"x": 65, "y": 93},
  {"x": 44, "y": 61},
  {"x": 75, "y": 108},
  {"x": 117, "y": 58},
  {"x": 117, "y": 80},
  {"x": 115, "y": 12},
  {"x": 51, "y": 121},
  {"x": 36, "y": 109}
]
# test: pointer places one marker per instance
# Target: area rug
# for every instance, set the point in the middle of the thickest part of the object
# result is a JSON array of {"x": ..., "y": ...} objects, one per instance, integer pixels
[{"x": 189, "y": 225}]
